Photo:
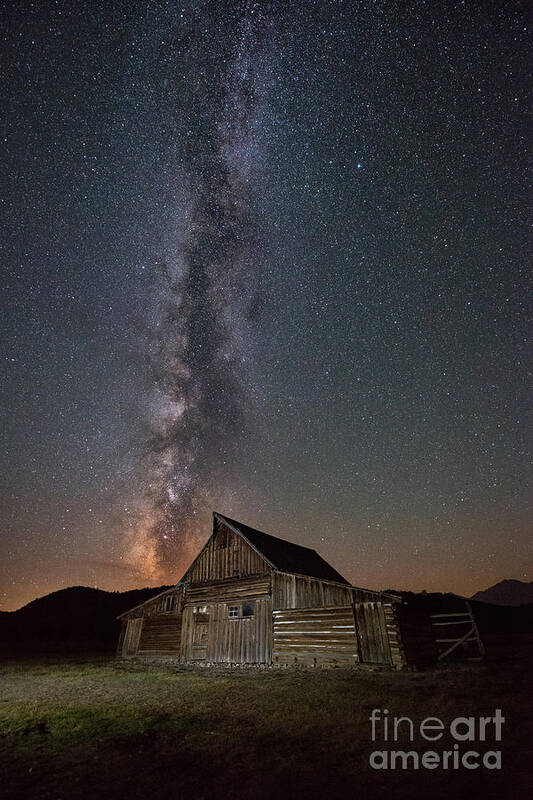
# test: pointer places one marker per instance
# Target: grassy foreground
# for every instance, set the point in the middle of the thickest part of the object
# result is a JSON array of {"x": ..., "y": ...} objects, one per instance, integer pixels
[{"x": 76, "y": 729}]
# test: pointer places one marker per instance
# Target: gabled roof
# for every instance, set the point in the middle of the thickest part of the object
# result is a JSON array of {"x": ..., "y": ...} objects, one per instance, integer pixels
[
  {"x": 151, "y": 599},
  {"x": 282, "y": 555}
]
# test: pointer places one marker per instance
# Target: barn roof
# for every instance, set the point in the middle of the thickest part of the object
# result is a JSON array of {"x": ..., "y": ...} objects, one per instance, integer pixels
[{"x": 285, "y": 556}]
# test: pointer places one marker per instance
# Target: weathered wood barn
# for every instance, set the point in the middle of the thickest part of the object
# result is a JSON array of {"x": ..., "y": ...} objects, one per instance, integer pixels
[{"x": 251, "y": 598}]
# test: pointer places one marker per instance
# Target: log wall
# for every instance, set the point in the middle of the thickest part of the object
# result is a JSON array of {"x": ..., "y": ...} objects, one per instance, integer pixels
[
  {"x": 228, "y": 589},
  {"x": 315, "y": 636},
  {"x": 149, "y": 629},
  {"x": 160, "y": 635}
]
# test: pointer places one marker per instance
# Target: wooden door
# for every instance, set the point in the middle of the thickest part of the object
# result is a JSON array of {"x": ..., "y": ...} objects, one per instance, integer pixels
[
  {"x": 372, "y": 633},
  {"x": 131, "y": 637},
  {"x": 200, "y": 637}
]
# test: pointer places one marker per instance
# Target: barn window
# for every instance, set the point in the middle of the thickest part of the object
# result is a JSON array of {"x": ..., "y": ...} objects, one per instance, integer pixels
[
  {"x": 233, "y": 612},
  {"x": 247, "y": 609},
  {"x": 170, "y": 602}
]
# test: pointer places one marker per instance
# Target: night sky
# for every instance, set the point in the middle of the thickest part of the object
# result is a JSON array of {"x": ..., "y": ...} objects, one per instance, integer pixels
[{"x": 268, "y": 259}]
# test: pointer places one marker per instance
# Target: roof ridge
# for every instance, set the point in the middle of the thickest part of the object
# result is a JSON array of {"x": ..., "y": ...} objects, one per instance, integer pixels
[
  {"x": 264, "y": 533},
  {"x": 282, "y": 554}
]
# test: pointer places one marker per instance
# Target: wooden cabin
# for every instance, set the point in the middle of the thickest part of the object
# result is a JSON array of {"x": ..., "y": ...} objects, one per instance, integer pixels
[{"x": 252, "y": 598}]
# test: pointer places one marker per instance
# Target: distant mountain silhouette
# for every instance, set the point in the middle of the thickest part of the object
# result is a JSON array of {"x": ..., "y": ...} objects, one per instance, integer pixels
[
  {"x": 78, "y": 619},
  {"x": 507, "y": 593}
]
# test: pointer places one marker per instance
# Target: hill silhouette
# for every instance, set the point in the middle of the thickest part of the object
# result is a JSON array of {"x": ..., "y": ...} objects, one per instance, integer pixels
[
  {"x": 507, "y": 593},
  {"x": 77, "y": 619},
  {"x": 84, "y": 620}
]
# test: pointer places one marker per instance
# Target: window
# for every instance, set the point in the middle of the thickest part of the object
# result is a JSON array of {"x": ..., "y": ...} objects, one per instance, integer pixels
[
  {"x": 241, "y": 612},
  {"x": 170, "y": 602},
  {"x": 200, "y": 610}
]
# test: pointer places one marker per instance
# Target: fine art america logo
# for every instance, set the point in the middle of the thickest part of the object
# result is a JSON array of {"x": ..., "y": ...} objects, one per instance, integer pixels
[{"x": 388, "y": 732}]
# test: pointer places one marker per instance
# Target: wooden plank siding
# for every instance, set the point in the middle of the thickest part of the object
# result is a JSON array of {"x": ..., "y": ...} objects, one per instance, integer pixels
[
  {"x": 157, "y": 604},
  {"x": 394, "y": 635},
  {"x": 226, "y": 555},
  {"x": 374, "y": 647},
  {"x": 315, "y": 636},
  {"x": 160, "y": 635},
  {"x": 301, "y": 591},
  {"x": 149, "y": 629},
  {"x": 243, "y": 640},
  {"x": 228, "y": 589},
  {"x": 132, "y": 636},
  {"x": 120, "y": 643},
  {"x": 199, "y": 628}
]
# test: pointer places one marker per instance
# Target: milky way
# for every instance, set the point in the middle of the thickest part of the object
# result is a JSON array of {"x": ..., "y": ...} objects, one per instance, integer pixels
[{"x": 208, "y": 292}]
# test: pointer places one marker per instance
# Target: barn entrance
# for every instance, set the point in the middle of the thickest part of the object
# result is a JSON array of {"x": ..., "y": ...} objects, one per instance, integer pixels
[
  {"x": 200, "y": 636},
  {"x": 371, "y": 627}
]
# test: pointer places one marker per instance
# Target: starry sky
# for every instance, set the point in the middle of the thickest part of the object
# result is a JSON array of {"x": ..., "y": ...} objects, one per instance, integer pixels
[{"x": 268, "y": 259}]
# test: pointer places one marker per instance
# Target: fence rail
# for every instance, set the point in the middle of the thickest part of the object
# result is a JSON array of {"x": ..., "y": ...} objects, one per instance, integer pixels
[{"x": 472, "y": 634}]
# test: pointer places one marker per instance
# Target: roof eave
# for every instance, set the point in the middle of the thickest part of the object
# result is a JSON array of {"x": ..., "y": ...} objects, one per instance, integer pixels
[
  {"x": 154, "y": 597},
  {"x": 346, "y": 585}
]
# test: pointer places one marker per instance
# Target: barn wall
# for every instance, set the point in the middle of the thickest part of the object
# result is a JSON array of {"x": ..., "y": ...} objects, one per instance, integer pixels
[
  {"x": 156, "y": 605},
  {"x": 151, "y": 630},
  {"x": 120, "y": 644},
  {"x": 210, "y": 636},
  {"x": 315, "y": 636},
  {"x": 394, "y": 634},
  {"x": 367, "y": 595},
  {"x": 371, "y": 626},
  {"x": 131, "y": 636},
  {"x": 226, "y": 556},
  {"x": 228, "y": 589},
  {"x": 300, "y": 591},
  {"x": 160, "y": 635}
]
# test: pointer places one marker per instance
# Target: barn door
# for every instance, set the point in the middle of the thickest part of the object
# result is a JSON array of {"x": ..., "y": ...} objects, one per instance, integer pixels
[
  {"x": 199, "y": 637},
  {"x": 131, "y": 637},
  {"x": 372, "y": 633}
]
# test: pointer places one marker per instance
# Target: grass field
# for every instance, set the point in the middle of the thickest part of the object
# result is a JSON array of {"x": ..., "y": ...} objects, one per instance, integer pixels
[{"x": 87, "y": 728}]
